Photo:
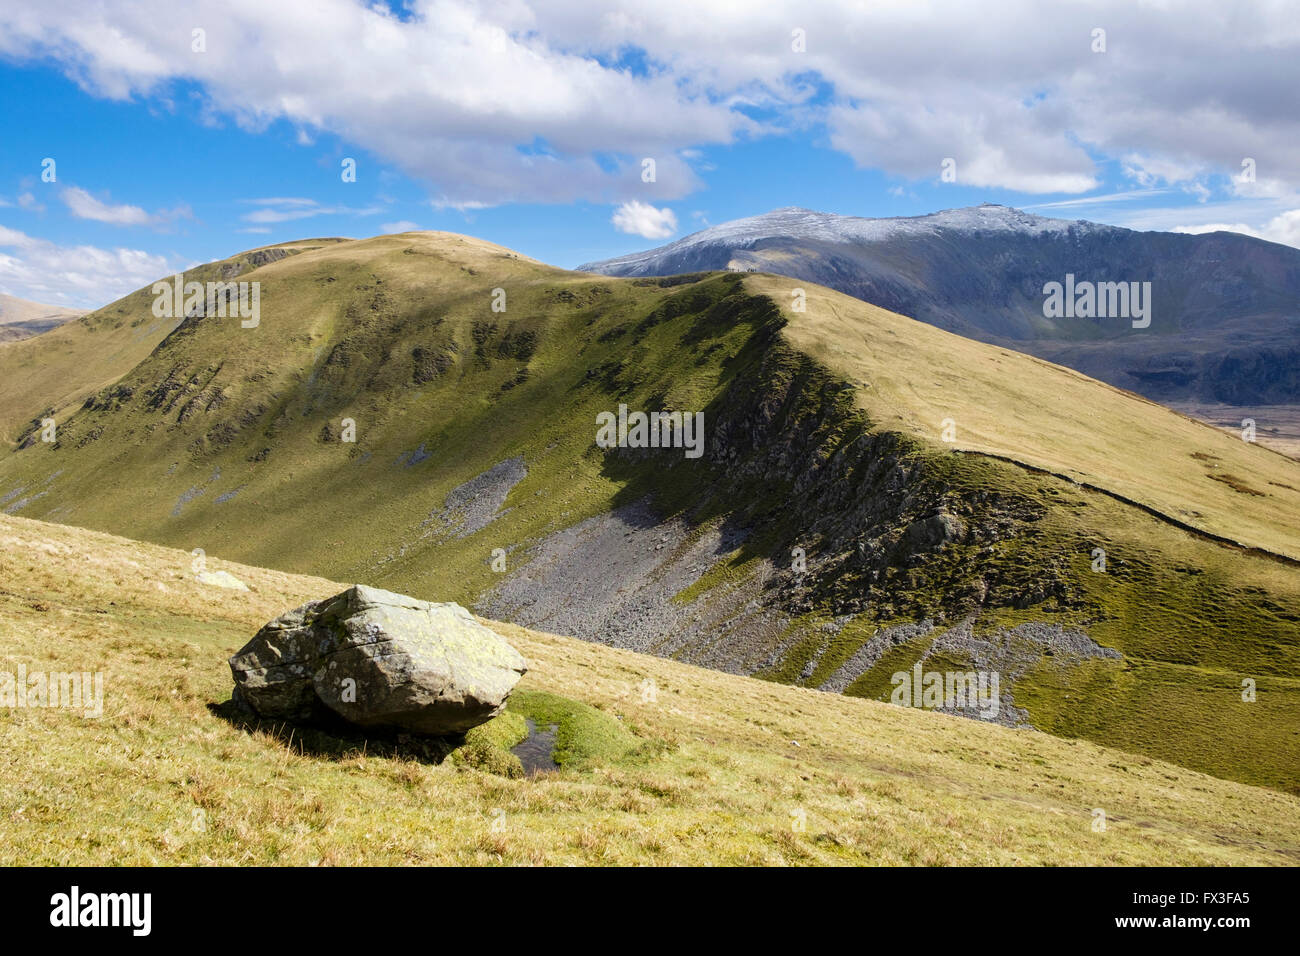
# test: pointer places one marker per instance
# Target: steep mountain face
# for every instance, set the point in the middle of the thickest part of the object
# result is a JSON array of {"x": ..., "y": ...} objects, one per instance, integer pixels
[
  {"x": 1224, "y": 320},
  {"x": 21, "y": 319},
  {"x": 421, "y": 413}
]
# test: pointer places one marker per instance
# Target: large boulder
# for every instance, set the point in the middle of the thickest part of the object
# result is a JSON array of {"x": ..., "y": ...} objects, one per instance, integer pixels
[{"x": 378, "y": 660}]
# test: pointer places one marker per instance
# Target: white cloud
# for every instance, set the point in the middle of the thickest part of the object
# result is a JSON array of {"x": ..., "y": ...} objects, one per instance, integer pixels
[
  {"x": 454, "y": 92},
  {"x": 1152, "y": 171},
  {"x": 85, "y": 206},
  {"x": 992, "y": 143},
  {"x": 25, "y": 200},
  {"x": 291, "y": 209},
  {"x": 78, "y": 276},
  {"x": 402, "y": 225},
  {"x": 642, "y": 219},
  {"x": 505, "y": 100},
  {"x": 442, "y": 202},
  {"x": 1105, "y": 199}
]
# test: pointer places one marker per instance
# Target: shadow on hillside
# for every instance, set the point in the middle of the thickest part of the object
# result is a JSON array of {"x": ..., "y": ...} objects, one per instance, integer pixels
[{"x": 340, "y": 742}]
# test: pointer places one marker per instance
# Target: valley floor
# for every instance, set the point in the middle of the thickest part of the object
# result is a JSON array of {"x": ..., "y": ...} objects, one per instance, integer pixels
[
  {"x": 729, "y": 770},
  {"x": 1276, "y": 426}
]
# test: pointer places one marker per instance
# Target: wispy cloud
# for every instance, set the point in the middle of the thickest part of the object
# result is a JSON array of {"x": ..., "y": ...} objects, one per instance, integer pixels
[
  {"x": 85, "y": 206},
  {"x": 1126, "y": 196},
  {"x": 289, "y": 209}
]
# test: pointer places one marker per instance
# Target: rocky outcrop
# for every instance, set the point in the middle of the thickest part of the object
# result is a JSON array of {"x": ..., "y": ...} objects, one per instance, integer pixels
[
  {"x": 826, "y": 514},
  {"x": 377, "y": 660}
]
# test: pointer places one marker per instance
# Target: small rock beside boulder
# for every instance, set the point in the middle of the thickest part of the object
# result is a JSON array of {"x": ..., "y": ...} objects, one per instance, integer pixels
[{"x": 380, "y": 661}]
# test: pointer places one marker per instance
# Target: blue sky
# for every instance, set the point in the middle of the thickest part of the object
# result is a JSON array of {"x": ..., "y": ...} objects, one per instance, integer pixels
[{"x": 168, "y": 156}]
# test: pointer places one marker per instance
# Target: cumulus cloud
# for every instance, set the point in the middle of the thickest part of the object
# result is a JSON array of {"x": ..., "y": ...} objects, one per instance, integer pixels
[
  {"x": 465, "y": 96},
  {"x": 77, "y": 276},
  {"x": 642, "y": 219},
  {"x": 538, "y": 100},
  {"x": 1013, "y": 94}
]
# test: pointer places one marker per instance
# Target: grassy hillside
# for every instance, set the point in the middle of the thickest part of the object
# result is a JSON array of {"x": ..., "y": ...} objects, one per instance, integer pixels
[
  {"x": 227, "y": 438},
  {"x": 708, "y": 768},
  {"x": 50, "y": 377},
  {"x": 474, "y": 477},
  {"x": 912, "y": 376}
]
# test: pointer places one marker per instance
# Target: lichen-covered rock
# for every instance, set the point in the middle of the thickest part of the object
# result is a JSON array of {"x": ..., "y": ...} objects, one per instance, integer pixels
[{"x": 378, "y": 660}]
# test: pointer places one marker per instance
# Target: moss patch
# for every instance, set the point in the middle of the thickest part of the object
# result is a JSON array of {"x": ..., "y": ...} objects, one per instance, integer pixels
[
  {"x": 584, "y": 736},
  {"x": 487, "y": 746}
]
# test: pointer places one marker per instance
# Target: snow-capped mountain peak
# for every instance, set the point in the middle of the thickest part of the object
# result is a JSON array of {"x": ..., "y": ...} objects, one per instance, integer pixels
[{"x": 795, "y": 222}]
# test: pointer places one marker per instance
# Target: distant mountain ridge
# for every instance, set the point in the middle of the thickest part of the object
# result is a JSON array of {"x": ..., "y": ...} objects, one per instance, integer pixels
[
  {"x": 796, "y": 222},
  {"x": 1226, "y": 307},
  {"x": 21, "y": 319}
]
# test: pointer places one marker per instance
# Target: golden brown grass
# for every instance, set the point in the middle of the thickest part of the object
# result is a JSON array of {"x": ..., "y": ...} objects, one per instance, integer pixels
[
  {"x": 740, "y": 771},
  {"x": 911, "y": 377}
]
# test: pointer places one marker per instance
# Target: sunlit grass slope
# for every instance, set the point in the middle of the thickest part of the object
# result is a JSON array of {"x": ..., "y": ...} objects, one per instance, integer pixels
[
  {"x": 724, "y": 769},
  {"x": 912, "y": 377},
  {"x": 53, "y": 373}
]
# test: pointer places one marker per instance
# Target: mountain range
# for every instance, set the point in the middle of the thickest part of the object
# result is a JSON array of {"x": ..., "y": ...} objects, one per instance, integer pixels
[{"x": 1225, "y": 308}]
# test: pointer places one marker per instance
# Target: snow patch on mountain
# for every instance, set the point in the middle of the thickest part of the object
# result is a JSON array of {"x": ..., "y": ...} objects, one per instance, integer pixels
[{"x": 794, "y": 222}]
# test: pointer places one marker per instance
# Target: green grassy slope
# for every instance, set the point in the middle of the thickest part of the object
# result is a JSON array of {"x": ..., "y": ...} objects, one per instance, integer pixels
[
  {"x": 52, "y": 374},
  {"x": 229, "y": 440},
  {"x": 707, "y": 768}
]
